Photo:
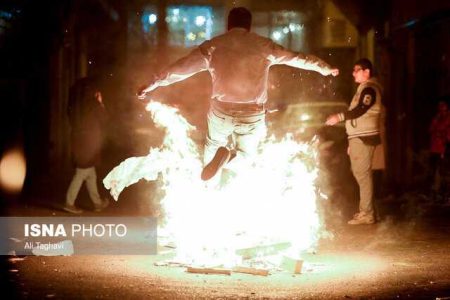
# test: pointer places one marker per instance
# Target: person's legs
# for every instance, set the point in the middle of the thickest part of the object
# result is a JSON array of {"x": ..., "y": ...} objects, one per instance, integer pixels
[
  {"x": 73, "y": 189},
  {"x": 248, "y": 133},
  {"x": 361, "y": 158},
  {"x": 91, "y": 184},
  {"x": 441, "y": 183},
  {"x": 220, "y": 127},
  {"x": 75, "y": 185},
  {"x": 434, "y": 166}
]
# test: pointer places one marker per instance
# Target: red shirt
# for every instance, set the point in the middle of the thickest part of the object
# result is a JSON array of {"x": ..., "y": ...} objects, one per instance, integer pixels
[{"x": 440, "y": 133}]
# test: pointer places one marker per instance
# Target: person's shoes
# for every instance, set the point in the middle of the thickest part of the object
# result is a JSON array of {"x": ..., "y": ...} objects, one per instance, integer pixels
[
  {"x": 221, "y": 157},
  {"x": 233, "y": 154},
  {"x": 362, "y": 219},
  {"x": 101, "y": 206},
  {"x": 72, "y": 209}
]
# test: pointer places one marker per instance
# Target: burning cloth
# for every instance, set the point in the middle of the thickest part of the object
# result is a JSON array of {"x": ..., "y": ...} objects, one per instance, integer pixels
[{"x": 273, "y": 201}]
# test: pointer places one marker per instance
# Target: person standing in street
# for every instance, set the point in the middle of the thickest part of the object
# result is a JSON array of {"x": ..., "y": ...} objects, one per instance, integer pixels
[
  {"x": 439, "y": 138},
  {"x": 86, "y": 116},
  {"x": 362, "y": 123}
]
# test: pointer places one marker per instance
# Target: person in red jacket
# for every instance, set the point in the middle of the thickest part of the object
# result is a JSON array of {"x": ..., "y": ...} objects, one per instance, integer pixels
[
  {"x": 439, "y": 137},
  {"x": 86, "y": 117}
]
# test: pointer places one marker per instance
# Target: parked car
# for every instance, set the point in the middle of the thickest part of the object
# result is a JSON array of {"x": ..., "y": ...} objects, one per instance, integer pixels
[{"x": 307, "y": 119}]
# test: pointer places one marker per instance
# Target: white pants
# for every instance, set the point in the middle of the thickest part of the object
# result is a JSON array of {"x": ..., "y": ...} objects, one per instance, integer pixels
[
  {"x": 90, "y": 176},
  {"x": 245, "y": 131},
  {"x": 361, "y": 160}
]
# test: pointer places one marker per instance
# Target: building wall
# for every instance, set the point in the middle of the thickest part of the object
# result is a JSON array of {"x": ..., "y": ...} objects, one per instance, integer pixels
[
  {"x": 409, "y": 49},
  {"x": 338, "y": 31},
  {"x": 418, "y": 47}
]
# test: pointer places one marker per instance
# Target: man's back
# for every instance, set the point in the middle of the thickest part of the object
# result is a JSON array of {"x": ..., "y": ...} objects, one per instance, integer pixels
[{"x": 238, "y": 62}]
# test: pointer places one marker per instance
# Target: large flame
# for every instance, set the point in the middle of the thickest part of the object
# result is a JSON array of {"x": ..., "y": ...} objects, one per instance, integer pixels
[{"x": 271, "y": 202}]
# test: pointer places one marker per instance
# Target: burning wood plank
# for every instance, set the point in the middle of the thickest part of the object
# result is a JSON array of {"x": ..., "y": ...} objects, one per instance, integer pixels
[
  {"x": 292, "y": 265},
  {"x": 266, "y": 250},
  {"x": 169, "y": 263},
  {"x": 208, "y": 271},
  {"x": 252, "y": 271}
]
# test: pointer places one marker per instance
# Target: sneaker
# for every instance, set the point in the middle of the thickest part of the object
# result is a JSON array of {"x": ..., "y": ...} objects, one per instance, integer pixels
[
  {"x": 101, "y": 206},
  {"x": 362, "y": 218},
  {"x": 221, "y": 157},
  {"x": 72, "y": 209},
  {"x": 233, "y": 154}
]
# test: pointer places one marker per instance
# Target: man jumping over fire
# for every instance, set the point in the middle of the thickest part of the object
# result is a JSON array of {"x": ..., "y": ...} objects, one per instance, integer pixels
[{"x": 239, "y": 63}]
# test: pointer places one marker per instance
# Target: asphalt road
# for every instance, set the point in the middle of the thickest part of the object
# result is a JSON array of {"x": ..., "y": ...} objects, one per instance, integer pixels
[{"x": 397, "y": 258}]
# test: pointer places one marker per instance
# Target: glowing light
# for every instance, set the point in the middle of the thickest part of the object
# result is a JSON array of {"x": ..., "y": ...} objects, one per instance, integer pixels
[
  {"x": 176, "y": 11},
  {"x": 191, "y": 36},
  {"x": 295, "y": 27},
  {"x": 13, "y": 170},
  {"x": 200, "y": 20},
  {"x": 152, "y": 18},
  {"x": 286, "y": 30},
  {"x": 273, "y": 200},
  {"x": 276, "y": 35},
  {"x": 305, "y": 117}
]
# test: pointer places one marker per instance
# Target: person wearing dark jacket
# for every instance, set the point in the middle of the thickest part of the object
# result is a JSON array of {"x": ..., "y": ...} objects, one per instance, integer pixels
[{"x": 86, "y": 117}]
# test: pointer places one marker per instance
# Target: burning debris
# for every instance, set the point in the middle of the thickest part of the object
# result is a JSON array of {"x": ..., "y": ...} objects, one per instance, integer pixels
[
  {"x": 267, "y": 210},
  {"x": 208, "y": 271}
]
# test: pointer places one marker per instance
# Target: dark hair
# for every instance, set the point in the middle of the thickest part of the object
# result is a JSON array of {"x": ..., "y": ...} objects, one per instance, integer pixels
[
  {"x": 365, "y": 64},
  {"x": 239, "y": 17}
]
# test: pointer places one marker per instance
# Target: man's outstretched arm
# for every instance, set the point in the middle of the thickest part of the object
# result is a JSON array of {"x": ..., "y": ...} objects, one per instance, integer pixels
[
  {"x": 282, "y": 56},
  {"x": 183, "y": 68}
]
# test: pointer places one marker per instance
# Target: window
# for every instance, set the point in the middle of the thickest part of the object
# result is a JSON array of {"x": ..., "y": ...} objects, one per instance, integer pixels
[
  {"x": 188, "y": 25},
  {"x": 6, "y": 19},
  {"x": 149, "y": 27},
  {"x": 283, "y": 27}
]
